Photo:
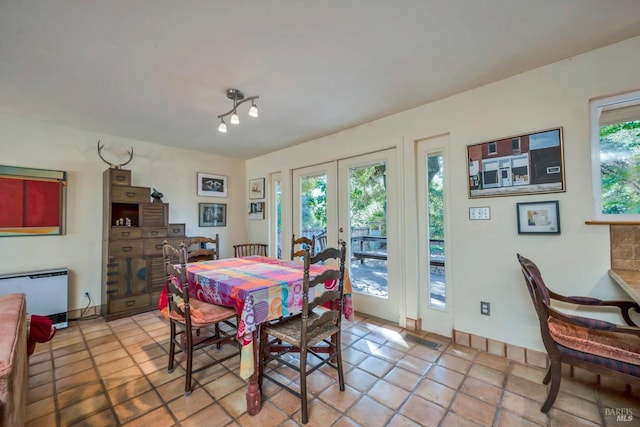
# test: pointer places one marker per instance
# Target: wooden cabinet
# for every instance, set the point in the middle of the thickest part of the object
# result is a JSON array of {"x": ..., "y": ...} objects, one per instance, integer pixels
[{"x": 134, "y": 230}]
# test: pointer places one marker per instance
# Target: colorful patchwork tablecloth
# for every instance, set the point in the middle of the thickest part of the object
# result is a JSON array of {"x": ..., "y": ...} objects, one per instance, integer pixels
[{"x": 260, "y": 289}]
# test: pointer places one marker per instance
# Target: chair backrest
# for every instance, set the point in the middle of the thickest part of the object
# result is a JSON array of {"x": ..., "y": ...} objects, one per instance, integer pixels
[
  {"x": 304, "y": 243},
  {"x": 248, "y": 249},
  {"x": 177, "y": 294},
  {"x": 534, "y": 280},
  {"x": 332, "y": 297},
  {"x": 201, "y": 248},
  {"x": 321, "y": 241}
]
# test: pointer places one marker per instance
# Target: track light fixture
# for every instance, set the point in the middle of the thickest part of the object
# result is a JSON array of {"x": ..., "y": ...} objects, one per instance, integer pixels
[{"x": 238, "y": 98}]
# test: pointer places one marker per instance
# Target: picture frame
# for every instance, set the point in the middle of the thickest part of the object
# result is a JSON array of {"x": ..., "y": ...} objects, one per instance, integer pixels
[
  {"x": 530, "y": 163},
  {"x": 538, "y": 217},
  {"x": 212, "y": 185},
  {"x": 212, "y": 215},
  {"x": 256, "y": 188},
  {"x": 256, "y": 210},
  {"x": 32, "y": 202}
]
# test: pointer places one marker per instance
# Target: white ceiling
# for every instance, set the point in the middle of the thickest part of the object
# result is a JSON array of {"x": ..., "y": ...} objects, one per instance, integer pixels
[{"x": 157, "y": 70}]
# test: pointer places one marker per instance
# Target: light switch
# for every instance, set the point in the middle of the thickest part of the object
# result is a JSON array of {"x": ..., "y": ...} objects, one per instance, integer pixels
[{"x": 480, "y": 213}]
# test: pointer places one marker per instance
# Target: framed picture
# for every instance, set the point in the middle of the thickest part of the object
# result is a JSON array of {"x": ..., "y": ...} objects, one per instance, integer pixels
[
  {"x": 523, "y": 164},
  {"x": 212, "y": 185},
  {"x": 256, "y": 210},
  {"x": 32, "y": 202},
  {"x": 256, "y": 188},
  {"x": 538, "y": 217},
  {"x": 212, "y": 215}
]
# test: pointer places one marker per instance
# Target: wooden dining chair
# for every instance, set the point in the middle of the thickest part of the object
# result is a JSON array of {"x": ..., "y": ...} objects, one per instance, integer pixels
[
  {"x": 194, "y": 324},
  {"x": 201, "y": 248},
  {"x": 248, "y": 249},
  {"x": 312, "y": 333},
  {"x": 303, "y": 243},
  {"x": 598, "y": 346}
]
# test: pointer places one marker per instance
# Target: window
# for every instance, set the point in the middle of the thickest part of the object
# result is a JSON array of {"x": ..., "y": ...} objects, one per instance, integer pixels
[
  {"x": 615, "y": 149},
  {"x": 492, "y": 148},
  {"x": 515, "y": 145}
]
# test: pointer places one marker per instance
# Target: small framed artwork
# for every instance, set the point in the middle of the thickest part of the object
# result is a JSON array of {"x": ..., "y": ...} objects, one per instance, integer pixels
[
  {"x": 521, "y": 164},
  {"x": 212, "y": 215},
  {"x": 256, "y": 188},
  {"x": 256, "y": 210},
  {"x": 212, "y": 185},
  {"x": 538, "y": 217}
]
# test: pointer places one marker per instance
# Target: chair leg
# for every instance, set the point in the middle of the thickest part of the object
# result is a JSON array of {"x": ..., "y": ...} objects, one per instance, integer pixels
[
  {"x": 555, "y": 371},
  {"x": 172, "y": 345},
  {"x": 547, "y": 377},
  {"x": 303, "y": 384},
  {"x": 338, "y": 342},
  {"x": 189, "y": 355},
  {"x": 262, "y": 356}
]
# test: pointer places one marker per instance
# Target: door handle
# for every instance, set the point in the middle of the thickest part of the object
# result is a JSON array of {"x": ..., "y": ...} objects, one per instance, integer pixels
[{"x": 341, "y": 230}]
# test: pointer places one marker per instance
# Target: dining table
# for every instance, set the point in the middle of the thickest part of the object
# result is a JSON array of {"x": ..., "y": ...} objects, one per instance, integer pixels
[{"x": 261, "y": 289}]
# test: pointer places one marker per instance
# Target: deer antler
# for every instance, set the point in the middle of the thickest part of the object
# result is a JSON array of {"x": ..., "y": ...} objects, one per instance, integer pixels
[{"x": 111, "y": 165}]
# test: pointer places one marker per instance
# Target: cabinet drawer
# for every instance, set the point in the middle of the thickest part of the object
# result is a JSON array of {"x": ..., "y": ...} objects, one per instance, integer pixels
[
  {"x": 119, "y": 176},
  {"x": 129, "y": 303},
  {"x": 125, "y": 233},
  {"x": 153, "y": 246},
  {"x": 154, "y": 232},
  {"x": 125, "y": 248},
  {"x": 130, "y": 194},
  {"x": 176, "y": 230}
]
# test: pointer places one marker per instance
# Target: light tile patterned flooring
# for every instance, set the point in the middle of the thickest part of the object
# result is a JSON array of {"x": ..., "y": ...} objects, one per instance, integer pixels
[{"x": 97, "y": 373}]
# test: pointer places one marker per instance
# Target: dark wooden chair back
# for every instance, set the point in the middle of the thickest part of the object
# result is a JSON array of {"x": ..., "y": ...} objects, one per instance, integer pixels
[
  {"x": 303, "y": 243},
  {"x": 201, "y": 248},
  {"x": 248, "y": 249}
]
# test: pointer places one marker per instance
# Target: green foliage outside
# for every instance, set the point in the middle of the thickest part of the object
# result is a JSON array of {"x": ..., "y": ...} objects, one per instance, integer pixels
[
  {"x": 435, "y": 175},
  {"x": 620, "y": 168},
  {"x": 314, "y": 203},
  {"x": 368, "y": 196},
  {"x": 367, "y": 187}
]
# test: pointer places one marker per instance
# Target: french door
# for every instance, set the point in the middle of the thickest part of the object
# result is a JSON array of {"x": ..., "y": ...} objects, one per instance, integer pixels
[{"x": 355, "y": 200}]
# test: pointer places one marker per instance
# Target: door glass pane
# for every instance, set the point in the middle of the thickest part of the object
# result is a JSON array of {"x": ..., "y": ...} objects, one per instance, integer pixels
[
  {"x": 435, "y": 212},
  {"x": 313, "y": 205},
  {"x": 368, "y": 229}
]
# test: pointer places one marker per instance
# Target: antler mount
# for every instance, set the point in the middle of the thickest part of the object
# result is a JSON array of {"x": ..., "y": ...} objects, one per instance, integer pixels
[{"x": 113, "y": 165}]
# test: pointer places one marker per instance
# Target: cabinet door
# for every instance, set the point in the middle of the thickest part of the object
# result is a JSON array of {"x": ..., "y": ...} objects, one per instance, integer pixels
[
  {"x": 154, "y": 214},
  {"x": 127, "y": 276},
  {"x": 155, "y": 266}
]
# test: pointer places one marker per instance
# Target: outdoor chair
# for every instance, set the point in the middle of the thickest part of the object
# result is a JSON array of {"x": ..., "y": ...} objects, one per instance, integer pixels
[
  {"x": 248, "y": 249},
  {"x": 598, "y": 346},
  {"x": 315, "y": 334},
  {"x": 200, "y": 248},
  {"x": 188, "y": 316},
  {"x": 304, "y": 243}
]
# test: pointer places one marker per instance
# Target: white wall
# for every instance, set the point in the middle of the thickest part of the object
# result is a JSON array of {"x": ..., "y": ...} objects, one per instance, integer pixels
[
  {"x": 482, "y": 254},
  {"x": 172, "y": 171}
]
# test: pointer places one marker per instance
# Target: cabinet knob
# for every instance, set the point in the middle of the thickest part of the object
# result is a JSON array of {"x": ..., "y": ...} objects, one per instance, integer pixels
[
  {"x": 120, "y": 178},
  {"x": 131, "y": 303},
  {"x": 131, "y": 194},
  {"x": 126, "y": 248},
  {"x": 154, "y": 233},
  {"x": 125, "y": 233}
]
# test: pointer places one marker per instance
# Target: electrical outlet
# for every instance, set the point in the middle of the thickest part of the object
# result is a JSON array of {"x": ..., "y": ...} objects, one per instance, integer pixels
[{"x": 485, "y": 308}]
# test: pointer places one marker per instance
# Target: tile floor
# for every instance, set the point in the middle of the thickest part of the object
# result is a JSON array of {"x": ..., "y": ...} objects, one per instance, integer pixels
[{"x": 97, "y": 373}]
